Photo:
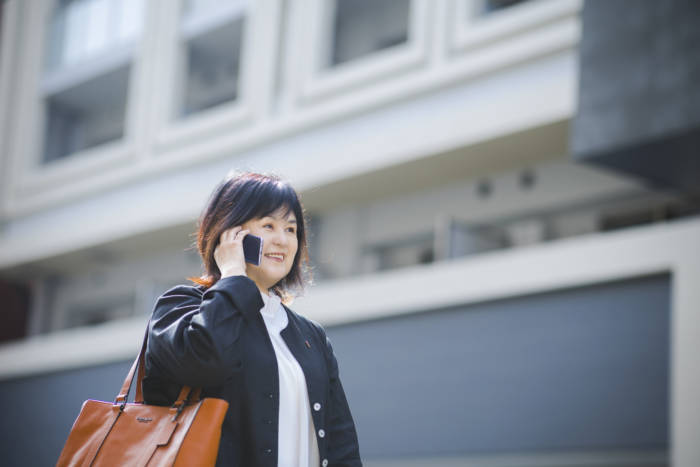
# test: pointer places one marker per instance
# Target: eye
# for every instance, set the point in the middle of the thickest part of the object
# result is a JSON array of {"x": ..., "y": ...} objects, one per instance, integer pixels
[
  {"x": 267, "y": 225},
  {"x": 292, "y": 229}
]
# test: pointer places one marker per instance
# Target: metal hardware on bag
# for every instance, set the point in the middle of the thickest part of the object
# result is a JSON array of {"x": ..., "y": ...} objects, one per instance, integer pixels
[
  {"x": 182, "y": 406},
  {"x": 179, "y": 410}
]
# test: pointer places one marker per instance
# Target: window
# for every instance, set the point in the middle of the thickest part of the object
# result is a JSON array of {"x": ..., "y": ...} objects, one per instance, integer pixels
[
  {"x": 98, "y": 313},
  {"x": 401, "y": 253},
  {"x": 511, "y": 24},
  {"x": 89, "y": 52},
  {"x": 361, "y": 27},
  {"x": 465, "y": 239},
  {"x": 212, "y": 36},
  {"x": 488, "y": 6},
  {"x": 348, "y": 44},
  {"x": 478, "y": 8}
]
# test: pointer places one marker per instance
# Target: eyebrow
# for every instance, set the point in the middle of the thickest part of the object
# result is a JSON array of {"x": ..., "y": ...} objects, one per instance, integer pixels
[{"x": 292, "y": 221}]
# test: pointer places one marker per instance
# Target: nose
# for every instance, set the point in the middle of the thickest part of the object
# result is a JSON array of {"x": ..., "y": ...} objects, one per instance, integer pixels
[{"x": 280, "y": 238}]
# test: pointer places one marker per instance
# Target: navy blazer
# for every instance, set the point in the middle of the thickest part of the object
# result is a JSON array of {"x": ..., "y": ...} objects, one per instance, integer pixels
[{"x": 216, "y": 339}]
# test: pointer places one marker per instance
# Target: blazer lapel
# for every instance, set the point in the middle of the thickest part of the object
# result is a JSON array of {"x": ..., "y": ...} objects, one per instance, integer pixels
[
  {"x": 306, "y": 353},
  {"x": 294, "y": 339}
]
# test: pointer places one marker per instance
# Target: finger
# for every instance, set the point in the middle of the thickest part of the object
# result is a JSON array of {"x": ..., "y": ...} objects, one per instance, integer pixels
[
  {"x": 230, "y": 234},
  {"x": 241, "y": 234}
]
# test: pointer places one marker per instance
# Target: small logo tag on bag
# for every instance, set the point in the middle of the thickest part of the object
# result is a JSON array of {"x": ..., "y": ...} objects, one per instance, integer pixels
[{"x": 144, "y": 419}]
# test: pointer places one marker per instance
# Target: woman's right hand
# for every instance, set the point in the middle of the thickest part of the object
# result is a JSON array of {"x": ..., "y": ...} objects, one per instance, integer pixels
[{"x": 228, "y": 254}]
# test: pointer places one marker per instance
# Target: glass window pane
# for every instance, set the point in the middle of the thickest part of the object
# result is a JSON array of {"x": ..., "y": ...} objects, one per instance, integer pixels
[
  {"x": 465, "y": 239},
  {"x": 88, "y": 61},
  {"x": 212, "y": 62},
  {"x": 86, "y": 115},
  {"x": 406, "y": 255},
  {"x": 116, "y": 308},
  {"x": 484, "y": 7},
  {"x": 361, "y": 27},
  {"x": 492, "y": 5},
  {"x": 83, "y": 29},
  {"x": 196, "y": 7},
  {"x": 401, "y": 253}
]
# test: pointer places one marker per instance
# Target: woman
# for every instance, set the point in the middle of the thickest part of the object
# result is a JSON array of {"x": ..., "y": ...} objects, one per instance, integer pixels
[{"x": 233, "y": 335}]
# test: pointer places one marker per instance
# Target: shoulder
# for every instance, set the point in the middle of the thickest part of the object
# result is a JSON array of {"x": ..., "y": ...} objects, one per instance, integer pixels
[
  {"x": 178, "y": 295},
  {"x": 183, "y": 291}
]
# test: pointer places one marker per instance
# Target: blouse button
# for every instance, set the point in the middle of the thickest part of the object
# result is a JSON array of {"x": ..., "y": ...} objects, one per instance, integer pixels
[
  {"x": 317, "y": 406},
  {"x": 324, "y": 463},
  {"x": 321, "y": 433}
]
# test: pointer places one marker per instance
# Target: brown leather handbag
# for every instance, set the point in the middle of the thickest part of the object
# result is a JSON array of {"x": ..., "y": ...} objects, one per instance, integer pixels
[{"x": 137, "y": 434}]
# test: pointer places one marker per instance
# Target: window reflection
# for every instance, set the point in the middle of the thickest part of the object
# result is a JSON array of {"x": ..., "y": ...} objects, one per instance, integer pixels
[
  {"x": 490, "y": 6},
  {"x": 212, "y": 34},
  {"x": 361, "y": 27},
  {"x": 86, "y": 115},
  {"x": 82, "y": 29},
  {"x": 94, "y": 314},
  {"x": 403, "y": 252},
  {"x": 89, "y": 51}
]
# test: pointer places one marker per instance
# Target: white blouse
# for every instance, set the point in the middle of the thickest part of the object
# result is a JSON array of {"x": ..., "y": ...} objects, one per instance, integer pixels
[{"x": 297, "y": 446}]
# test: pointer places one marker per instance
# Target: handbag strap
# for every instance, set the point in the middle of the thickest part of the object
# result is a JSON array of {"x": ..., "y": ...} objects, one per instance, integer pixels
[{"x": 186, "y": 392}]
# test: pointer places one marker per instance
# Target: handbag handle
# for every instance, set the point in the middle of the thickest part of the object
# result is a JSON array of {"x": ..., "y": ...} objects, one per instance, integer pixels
[{"x": 185, "y": 393}]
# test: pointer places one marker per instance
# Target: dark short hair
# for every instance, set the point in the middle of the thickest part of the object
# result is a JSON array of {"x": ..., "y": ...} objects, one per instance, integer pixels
[{"x": 239, "y": 198}]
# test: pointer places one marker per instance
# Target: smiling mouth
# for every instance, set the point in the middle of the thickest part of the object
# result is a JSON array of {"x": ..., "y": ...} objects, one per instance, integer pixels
[{"x": 274, "y": 257}]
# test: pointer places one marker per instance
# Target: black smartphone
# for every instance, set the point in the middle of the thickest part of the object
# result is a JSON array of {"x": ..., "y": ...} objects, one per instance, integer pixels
[{"x": 252, "y": 249}]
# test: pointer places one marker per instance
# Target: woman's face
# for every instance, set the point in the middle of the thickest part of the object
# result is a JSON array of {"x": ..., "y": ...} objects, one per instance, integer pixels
[{"x": 280, "y": 245}]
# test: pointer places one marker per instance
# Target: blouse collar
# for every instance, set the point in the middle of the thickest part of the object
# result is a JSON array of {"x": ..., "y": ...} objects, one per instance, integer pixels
[{"x": 273, "y": 312}]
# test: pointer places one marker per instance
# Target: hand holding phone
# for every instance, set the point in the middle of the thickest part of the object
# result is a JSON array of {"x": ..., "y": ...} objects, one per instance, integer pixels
[{"x": 230, "y": 255}]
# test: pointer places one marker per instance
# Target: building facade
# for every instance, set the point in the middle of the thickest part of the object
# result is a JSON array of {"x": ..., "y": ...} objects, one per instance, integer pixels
[{"x": 502, "y": 195}]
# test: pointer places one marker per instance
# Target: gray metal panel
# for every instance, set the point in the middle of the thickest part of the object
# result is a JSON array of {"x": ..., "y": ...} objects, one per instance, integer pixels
[
  {"x": 639, "y": 90},
  {"x": 582, "y": 369}
]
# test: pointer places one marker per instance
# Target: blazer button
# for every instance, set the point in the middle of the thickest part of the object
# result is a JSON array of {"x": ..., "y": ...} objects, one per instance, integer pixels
[
  {"x": 317, "y": 406},
  {"x": 324, "y": 463},
  {"x": 268, "y": 451},
  {"x": 321, "y": 433},
  {"x": 270, "y": 396}
]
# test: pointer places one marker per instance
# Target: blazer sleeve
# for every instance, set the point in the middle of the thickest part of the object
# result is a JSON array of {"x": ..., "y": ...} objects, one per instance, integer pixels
[
  {"x": 192, "y": 335},
  {"x": 343, "y": 447}
]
